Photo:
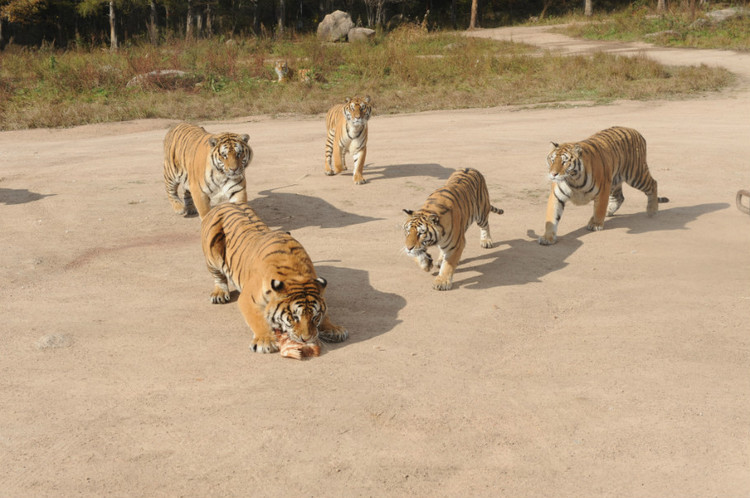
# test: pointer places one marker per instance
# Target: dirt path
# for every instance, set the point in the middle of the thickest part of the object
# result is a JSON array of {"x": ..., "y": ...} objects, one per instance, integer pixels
[{"x": 611, "y": 364}]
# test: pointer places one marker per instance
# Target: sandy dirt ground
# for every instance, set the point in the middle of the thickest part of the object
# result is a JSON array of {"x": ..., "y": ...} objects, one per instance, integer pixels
[{"x": 614, "y": 363}]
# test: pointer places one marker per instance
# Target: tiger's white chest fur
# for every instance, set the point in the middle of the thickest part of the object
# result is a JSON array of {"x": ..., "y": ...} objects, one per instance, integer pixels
[
  {"x": 219, "y": 188},
  {"x": 355, "y": 137}
]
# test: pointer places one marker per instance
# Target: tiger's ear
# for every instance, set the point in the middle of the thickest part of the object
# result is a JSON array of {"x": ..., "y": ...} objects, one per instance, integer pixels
[
  {"x": 577, "y": 149},
  {"x": 408, "y": 211},
  {"x": 212, "y": 141},
  {"x": 277, "y": 285},
  {"x": 555, "y": 144},
  {"x": 245, "y": 138},
  {"x": 434, "y": 218},
  {"x": 347, "y": 100},
  {"x": 367, "y": 99},
  {"x": 323, "y": 282}
]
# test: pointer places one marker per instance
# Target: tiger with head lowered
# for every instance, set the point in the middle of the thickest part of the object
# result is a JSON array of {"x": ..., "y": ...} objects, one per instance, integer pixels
[
  {"x": 209, "y": 167},
  {"x": 443, "y": 220},
  {"x": 347, "y": 131},
  {"x": 595, "y": 169},
  {"x": 279, "y": 289}
]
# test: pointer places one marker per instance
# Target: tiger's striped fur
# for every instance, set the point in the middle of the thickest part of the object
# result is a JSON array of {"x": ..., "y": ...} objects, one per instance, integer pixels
[
  {"x": 210, "y": 168},
  {"x": 595, "y": 169},
  {"x": 347, "y": 131},
  {"x": 443, "y": 220},
  {"x": 279, "y": 289}
]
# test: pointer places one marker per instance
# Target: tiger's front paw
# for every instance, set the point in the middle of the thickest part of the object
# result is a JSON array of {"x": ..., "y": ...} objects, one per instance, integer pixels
[
  {"x": 334, "y": 334},
  {"x": 264, "y": 344},
  {"x": 594, "y": 225},
  {"x": 442, "y": 283},
  {"x": 359, "y": 180},
  {"x": 219, "y": 296},
  {"x": 486, "y": 243},
  {"x": 547, "y": 240},
  {"x": 425, "y": 261}
]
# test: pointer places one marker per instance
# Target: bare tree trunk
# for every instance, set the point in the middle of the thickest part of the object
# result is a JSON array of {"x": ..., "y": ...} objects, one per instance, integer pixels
[
  {"x": 209, "y": 26},
  {"x": 189, "y": 24},
  {"x": 453, "y": 14},
  {"x": 153, "y": 30},
  {"x": 661, "y": 6},
  {"x": 282, "y": 9},
  {"x": 112, "y": 30},
  {"x": 588, "y": 9},
  {"x": 473, "y": 21}
]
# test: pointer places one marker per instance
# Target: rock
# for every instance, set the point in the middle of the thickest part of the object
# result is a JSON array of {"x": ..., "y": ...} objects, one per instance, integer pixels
[
  {"x": 335, "y": 26},
  {"x": 360, "y": 34},
  {"x": 165, "y": 78}
]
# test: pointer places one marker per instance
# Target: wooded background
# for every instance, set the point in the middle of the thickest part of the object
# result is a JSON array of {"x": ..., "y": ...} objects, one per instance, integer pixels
[{"x": 61, "y": 23}]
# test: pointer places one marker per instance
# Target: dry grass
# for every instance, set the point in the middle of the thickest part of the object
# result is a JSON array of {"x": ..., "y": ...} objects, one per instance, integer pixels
[{"x": 408, "y": 70}]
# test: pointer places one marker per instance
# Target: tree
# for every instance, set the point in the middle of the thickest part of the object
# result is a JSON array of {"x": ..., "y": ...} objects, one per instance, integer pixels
[
  {"x": 588, "y": 9},
  {"x": 661, "y": 6},
  {"x": 153, "y": 29},
  {"x": 90, "y": 7},
  {"x": 473, "y": 21}
]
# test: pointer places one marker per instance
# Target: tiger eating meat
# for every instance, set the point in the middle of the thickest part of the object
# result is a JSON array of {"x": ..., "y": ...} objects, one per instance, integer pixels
[
  {"x": 595, "y": 169},
  {"x": 209, "y": 167},
  {"x": 443, "y": 220},
  {"x": 280, "y": 293}
]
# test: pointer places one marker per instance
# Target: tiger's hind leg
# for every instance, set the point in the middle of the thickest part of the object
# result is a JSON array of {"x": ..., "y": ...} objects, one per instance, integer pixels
[
  {"x": 646, "y": 184},
  {"x": 485, "y": 239},
  {"x": 616, "y": 199},
  {"x": 171, "y": 185}
]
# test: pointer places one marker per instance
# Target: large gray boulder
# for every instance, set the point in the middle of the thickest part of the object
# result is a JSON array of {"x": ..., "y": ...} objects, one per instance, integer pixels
[
  {"x": 335, "y": 26},
  {"x": 360, "y": 34}
]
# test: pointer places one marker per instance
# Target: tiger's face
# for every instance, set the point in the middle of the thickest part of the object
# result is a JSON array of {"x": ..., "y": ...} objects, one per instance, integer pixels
[
  {"x": 422, "y": 231},
  {"x": 357, "y": 110},
  {"x": 296, "y": 308},
  {"x": 564, "y": 162},
  {"x": 230, "y": 153}
]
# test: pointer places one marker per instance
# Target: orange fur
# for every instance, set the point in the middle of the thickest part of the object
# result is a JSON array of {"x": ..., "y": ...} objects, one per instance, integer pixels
[
  {"x": 210, "y": 168},
  {"x": 346, "y": 126},
  {"x": 443, "y": 220},
  {"x": 279, "y": 289},
  {"x": 595, "y": 169}
]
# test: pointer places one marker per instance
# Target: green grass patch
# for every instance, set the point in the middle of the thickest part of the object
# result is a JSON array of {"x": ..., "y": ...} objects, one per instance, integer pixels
[
  {"x": 677, "y": 28},
  {"x": 406, "y": 71}
]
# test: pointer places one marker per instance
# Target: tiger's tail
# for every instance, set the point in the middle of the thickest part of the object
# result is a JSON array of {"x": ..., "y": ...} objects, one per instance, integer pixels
[
  {"x": 662, "y": 200},
  {"x": 500, "y": 211}
]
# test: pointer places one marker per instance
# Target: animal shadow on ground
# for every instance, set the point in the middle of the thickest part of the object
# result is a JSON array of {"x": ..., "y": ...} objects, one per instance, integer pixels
[
  {"x": 356, "y": 305},
  {"x": 522, "y": 261},
  {"x": 406, "y": 170},
  {"x": 19, "y": 196},
  {"x": 291, "y": 211}
]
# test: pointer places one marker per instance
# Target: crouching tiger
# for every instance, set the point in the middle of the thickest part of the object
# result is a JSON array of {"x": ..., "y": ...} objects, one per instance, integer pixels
[
  {"x": 346, "y": 125},
  {"x": 210, "y": 168},
  {"x": 443, "y": 220},
  {"x": 279, "y": 289},
  {"x": 595, "y": 169}
]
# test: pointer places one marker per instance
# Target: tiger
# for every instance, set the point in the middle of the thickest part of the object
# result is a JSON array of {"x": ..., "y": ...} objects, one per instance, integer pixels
[
  {"x": 347, "y": 130},
  {"x": 280, "y": 291},
  {"x": 595, "y": 169},
  {"x": 443, "y": 220},
  {"x": 285, "y": 74},
  {"x": 209, "y": 167}
]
